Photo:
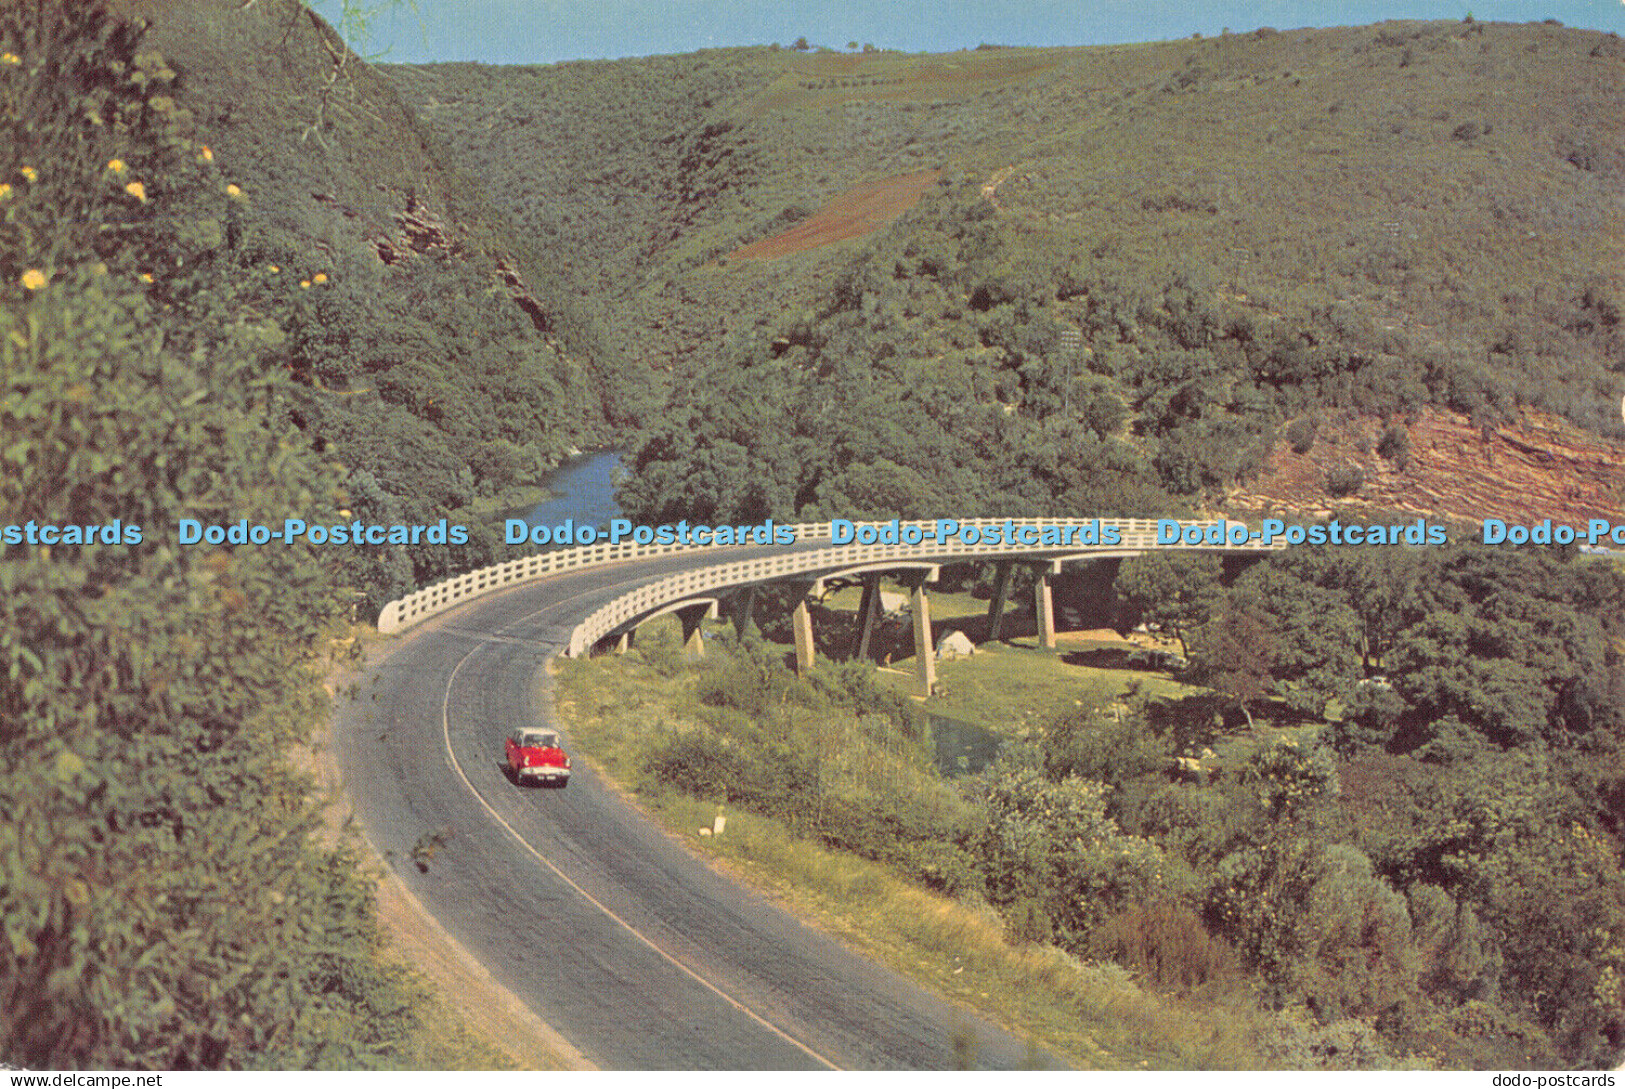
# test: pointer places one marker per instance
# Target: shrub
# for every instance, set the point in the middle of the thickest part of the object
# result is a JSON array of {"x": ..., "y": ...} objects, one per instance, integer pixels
[
  {"x": 751, "y": 680},
  {"x": 1052, "y": 842},
  {"x": 1027, "y": 923},
  {"x": 700, "y": 765},
  {"x": 1166, "y": 944},
  {"x": 1288, "y": 778},
  {"x": 1356, "y": 932},
  {"x": 1300, "y": 434},
  {"x": 663, "y": 652},
  {"x": 1344, "y": 481},
  {"x": 1110, "y": 750},
  {"x": 1395, "y": 446}
]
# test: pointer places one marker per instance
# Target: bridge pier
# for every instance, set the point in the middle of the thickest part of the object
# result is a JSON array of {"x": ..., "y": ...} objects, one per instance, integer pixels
[
  {"x": 868, "y": 615},
  {"x": 691, "y": 616},
  {"x": 925, "y": 651},
  {"x": 744, "y": 609},
  {"x": 624, "y": 643},
  {"x": 995, "y": 607},
  {"x": 1044, "y": 602},
  {"x": 801, "y": 623}
]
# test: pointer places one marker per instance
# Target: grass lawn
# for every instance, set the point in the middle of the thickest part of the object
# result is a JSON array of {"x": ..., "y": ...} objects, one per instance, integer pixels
[
  {"x": 1013, "y": 685},
  {"x": 1017, "y": 685}
]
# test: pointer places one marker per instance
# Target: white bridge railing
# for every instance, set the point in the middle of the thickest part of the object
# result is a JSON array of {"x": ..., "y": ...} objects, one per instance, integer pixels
[
  {"x": 1134, "y": 535},
  {"x": 435, "y": 599}
]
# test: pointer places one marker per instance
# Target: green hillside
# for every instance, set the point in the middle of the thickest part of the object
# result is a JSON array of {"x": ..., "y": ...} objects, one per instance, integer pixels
[
  {"x": 1244, "y": 230},
  {"x": 440, "y": 359},
  {"x": 1142, "y": 276}
]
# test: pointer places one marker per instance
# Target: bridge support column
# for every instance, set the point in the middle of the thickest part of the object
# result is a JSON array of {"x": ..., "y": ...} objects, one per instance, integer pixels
[
  {"x": 693, "y": 640},
  {"x": 1044, "y": 599},
  {"x": 624, "y": 643},
  {"x": 801, "y": 621},
  {"x": 868, "y": 613},
  {"x": 744, "y": 608},
  {"x": 995, "y": 608},
  {"x": 925, "y": 651}
]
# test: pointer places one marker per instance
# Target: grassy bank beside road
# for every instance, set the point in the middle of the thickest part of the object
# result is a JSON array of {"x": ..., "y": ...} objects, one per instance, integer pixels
[{"x": 855, "y": 831}]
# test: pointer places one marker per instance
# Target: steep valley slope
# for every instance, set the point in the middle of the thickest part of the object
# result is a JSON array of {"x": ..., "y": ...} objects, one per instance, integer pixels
[{"x": 1176, "y": 251}]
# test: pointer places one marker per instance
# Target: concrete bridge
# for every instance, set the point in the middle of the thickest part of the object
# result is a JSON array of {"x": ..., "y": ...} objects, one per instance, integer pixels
[{"x": 735, "y": 575}]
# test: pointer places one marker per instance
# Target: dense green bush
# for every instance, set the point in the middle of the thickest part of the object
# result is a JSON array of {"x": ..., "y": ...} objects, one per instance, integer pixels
[
  {"x": 702, "y": 765},
  {"x": 1051, "y": 842}
]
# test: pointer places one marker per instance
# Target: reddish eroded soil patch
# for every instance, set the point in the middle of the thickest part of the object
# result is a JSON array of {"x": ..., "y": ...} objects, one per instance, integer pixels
[
  {"x": 1538, "y": 468},
  {"x": 853, "y": 214}
]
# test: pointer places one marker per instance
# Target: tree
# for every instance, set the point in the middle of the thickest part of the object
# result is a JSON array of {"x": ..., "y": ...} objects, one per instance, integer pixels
[
  {"x": 1172, "y": 591},
  {"x": 350, "y": 34},
  {"x": 1236, "y": 651},
  {"x": 1315, "y": 637}
]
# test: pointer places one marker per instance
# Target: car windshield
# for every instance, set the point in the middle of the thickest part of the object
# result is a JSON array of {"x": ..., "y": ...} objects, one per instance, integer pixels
[{"x": 540, "y": 741}]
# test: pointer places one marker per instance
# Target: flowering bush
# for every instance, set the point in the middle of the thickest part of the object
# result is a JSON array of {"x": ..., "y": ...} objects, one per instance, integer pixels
[{"x": 94, "y": 154}]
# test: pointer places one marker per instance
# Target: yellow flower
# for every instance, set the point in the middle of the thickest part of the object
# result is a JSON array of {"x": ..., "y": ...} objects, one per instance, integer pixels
[
  {"x": 304, "y": 283},
  {"x": 137, "y": 190},
  {"x": 33, "y": 279},
  {"x": 116, "y": 166},
  {"x": 146, "y": 277},
  {"x": 233, "y": 191},
  {"x": 276, "y": 268},
  {"x": 206, "y": 155},
  {"x": 5, "y": 190},
  {"x": 319, "y": 278},
  {"x": 28, "y": 173},
  {"x": 10, "y": 58}
]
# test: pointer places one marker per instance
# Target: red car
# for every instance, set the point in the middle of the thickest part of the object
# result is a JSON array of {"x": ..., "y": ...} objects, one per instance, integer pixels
[{"x": 534, "y": 756}]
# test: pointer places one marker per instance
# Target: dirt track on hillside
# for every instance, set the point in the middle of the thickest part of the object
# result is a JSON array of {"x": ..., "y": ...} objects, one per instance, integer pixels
[{"x": 853, "y": 214}]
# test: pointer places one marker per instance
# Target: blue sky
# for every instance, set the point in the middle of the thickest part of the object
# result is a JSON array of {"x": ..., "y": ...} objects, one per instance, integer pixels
[{"x": 544, "y": 31}]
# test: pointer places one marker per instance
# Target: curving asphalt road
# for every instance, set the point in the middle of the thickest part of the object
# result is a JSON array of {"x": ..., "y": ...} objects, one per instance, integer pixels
[{"x": 632, "y": 948}]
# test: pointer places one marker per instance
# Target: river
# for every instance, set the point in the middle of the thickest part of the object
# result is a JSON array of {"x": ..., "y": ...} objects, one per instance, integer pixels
[{"x": 582, "y": 489}]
